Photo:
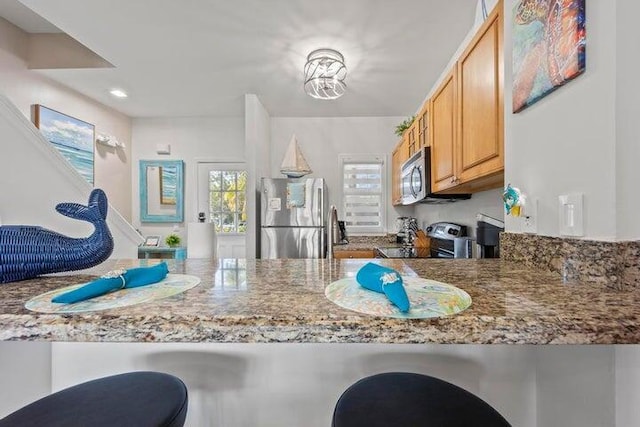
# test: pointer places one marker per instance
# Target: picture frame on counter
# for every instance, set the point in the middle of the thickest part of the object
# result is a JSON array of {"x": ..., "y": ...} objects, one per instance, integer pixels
[{"x": 151, "y": 241}]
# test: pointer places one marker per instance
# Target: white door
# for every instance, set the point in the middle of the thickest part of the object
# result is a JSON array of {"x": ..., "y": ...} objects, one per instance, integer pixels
[{"x": 223, "y": 200}]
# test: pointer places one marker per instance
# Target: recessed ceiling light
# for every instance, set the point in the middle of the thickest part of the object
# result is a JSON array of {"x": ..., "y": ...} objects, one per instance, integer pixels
[{"x": 118, "y": 93}]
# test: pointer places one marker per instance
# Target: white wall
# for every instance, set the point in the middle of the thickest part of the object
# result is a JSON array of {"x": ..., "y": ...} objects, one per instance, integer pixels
[
  {"x": 258, "y": 154},
  {"x": 463, "y": 212},
  {"x": 25, "y": 374},
  {"x": 323, "y": 139},
  {"x": 566, "y": 141},
  {"x": 575, "y": 386},
  {"x": 627, "y": 367},
  {"x": 627, "y": 110},
  {"x": 25, "y": 87},
  {"x": 191, "y": 139}
]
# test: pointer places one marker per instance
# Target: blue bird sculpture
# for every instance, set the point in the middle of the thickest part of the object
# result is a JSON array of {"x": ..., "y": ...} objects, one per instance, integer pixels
[{"x": 29, "y": 251}]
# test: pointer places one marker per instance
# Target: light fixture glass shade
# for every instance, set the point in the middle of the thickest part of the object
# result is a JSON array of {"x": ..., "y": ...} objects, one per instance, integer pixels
[{"x": 324, "y": 74}]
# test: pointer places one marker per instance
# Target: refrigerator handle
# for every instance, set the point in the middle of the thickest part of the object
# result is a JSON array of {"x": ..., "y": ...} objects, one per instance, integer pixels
[
  {"x": 320, "y": 206},
  {"x": 322, "y": 230}
]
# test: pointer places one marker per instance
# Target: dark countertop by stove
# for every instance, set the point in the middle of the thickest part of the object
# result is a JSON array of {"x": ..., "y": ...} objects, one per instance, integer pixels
[{"x": 364, "y": 243}]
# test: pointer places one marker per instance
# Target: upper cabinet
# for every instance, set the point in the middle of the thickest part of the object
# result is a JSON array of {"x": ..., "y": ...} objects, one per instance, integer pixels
[
  {"x": 463, "y": 121},
  {"x": 410, "y": 134},
  {"x": 443, "y": 135},
  {"x": 398, "y": 157},
  {"x": 422, "y": 126},
  {"x": 480, "y": 106},
  {"x": 467, "y": 130}
]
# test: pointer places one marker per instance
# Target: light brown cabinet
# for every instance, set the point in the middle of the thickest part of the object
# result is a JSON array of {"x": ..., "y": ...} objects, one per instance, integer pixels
[
  {"x": 411, "y": 139},
  {"x": 443, "y": 135},
  {"x": 398, "y": 157},
  {"x": 467, "y": 130},
  {"x": 422, "y": 126},
  {"x": 480, "y": 138},
  {"x": 354, "y": 254}
]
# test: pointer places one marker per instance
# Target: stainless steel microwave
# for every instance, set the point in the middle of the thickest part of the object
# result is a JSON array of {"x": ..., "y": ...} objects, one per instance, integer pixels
[{"x": 416, "y": 181}]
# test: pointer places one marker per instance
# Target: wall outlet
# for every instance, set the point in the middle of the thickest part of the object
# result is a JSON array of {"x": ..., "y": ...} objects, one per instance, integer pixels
[{"x": 530, "y": 218}]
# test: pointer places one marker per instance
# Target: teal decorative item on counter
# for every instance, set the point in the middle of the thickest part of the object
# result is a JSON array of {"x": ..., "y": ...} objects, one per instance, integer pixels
[
  {"x": 115, "y": 280},
  {"x": 171, "y": 285},
  {"x": 513, "y": 200},
  {"x": 384, "y": 280}
]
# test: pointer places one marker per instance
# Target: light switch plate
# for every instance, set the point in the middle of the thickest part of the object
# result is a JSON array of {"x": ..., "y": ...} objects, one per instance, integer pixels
[{"x": 571, "y": 214}]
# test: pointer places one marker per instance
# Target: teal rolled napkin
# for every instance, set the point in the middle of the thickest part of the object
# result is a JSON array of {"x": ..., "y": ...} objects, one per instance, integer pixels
[
  {"x": 385, "y": 280},
  {"x": 115, "y": 280}
]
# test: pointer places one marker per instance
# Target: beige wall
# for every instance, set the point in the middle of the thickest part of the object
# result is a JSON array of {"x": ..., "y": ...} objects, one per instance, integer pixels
[{"x": 25, "y": 87}]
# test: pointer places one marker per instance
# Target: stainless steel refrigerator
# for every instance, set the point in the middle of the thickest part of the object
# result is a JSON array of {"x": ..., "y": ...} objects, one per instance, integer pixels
[{"x": 292, "y": 218}]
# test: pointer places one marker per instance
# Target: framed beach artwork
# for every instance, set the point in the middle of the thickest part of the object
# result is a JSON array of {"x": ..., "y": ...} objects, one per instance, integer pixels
[
  {"x": 73, "y": 138},
  {"x": 548, "y": 47},
  {"x": 168, "y": 184}
]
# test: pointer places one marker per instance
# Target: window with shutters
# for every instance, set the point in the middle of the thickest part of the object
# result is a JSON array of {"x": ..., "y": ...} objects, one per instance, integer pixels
[{"x": 363, "y": 193}]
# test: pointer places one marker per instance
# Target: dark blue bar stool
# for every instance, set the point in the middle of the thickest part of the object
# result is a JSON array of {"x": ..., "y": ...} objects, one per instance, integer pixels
[
  {"x": 137, "y": 399},
  {"x": 412, "y": 400}
]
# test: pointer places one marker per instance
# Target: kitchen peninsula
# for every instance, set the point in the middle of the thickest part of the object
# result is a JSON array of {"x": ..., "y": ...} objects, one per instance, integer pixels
[{"x": 283, "y": 301}]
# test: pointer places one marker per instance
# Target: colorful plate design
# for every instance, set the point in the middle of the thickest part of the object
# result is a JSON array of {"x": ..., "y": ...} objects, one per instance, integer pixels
[
  {"x": 428, "y": 299},
  {"x": 173, "y": 284}
]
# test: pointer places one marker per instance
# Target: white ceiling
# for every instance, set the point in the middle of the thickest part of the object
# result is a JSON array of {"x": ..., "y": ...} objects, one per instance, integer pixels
[
  {"x": 199, "y": 57},
  {"x": 23, "y": 17}
]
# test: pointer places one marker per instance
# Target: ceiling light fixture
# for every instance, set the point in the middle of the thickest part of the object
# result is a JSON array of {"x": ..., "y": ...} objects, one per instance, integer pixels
[
  {"x": 118, "y": 93},
  {"x": 324, "y": 74}
]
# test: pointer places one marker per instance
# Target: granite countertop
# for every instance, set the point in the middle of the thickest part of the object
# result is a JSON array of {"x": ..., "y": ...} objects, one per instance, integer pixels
[
  {"x": 283, "y": 301},
  {"x": 363, "y": 243}
]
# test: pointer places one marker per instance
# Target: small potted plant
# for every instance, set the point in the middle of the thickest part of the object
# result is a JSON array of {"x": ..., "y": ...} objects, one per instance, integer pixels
[
  {"x": 406, "y": 124},
  {"x": 172, "y": 240}
]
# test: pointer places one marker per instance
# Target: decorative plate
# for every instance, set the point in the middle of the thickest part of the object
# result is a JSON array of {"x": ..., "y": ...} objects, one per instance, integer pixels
[
  {"x": 171, "y": 285},
  {"x": 428, "y": 299}
]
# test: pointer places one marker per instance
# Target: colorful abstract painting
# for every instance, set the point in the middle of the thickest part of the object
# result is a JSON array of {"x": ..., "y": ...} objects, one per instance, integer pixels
[
  {"x": 548, "y": 47},
  {"x": 72, "y": 137}
]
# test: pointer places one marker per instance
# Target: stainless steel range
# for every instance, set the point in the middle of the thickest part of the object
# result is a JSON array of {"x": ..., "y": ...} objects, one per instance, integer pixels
[
  {"x": 443, "y": 240},
  {"x": 447, "y": 241}
]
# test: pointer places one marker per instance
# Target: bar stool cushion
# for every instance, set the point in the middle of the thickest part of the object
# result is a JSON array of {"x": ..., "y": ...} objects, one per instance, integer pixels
[
  {"x": 412, "y": 400},
  {"x": 133, "y": 399}
]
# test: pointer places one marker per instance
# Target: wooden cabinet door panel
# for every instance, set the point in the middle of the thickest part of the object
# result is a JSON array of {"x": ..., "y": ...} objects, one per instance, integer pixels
[
  {"x": 480, "y": 134},
  {"x": 411, "y": 137},
  {"x": 396, "y": 196},
  {"x": 443, "y": 127},
  {"x": 423, "y": 126}
]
